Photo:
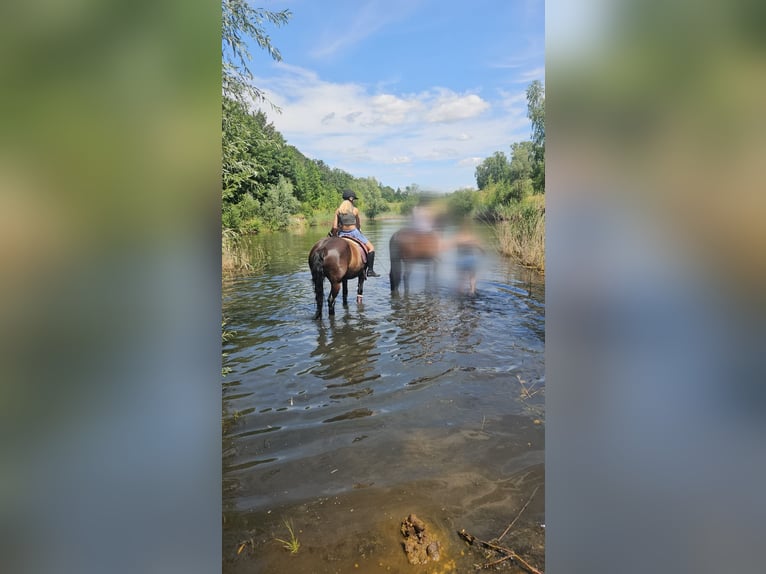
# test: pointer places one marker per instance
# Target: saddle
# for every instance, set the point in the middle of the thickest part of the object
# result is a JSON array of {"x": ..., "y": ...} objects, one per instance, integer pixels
[{"x": 359, "y": 244}]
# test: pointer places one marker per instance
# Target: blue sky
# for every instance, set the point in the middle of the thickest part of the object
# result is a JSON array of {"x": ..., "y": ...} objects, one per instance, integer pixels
[{"x": 406, "y": 91}]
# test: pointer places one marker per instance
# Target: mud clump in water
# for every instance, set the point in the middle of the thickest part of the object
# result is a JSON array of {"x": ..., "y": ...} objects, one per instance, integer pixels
[{"x": 419, "y": 546}]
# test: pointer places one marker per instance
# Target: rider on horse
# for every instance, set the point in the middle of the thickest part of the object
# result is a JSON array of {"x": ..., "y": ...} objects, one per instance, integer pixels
[{"x": 346, "y": 224}]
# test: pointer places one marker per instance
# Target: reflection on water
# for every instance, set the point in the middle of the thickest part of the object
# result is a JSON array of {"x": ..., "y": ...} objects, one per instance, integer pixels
[
  {"x": 345, "y": 349},
  {"x": 405, "y": 403}
]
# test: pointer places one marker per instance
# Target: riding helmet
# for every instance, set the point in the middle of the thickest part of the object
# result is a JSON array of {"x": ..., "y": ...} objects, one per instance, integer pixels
[{"x": 348, "y": 194}]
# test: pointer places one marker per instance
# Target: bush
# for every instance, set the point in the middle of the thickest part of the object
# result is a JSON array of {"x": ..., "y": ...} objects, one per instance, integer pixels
[
  {"x": 242, "y": 216},
  {"x": 279, "y": 204},
  {"x": 461, "y": 203},
  {"x": 251, "y": 226},
  {"x": 230, "y": 217}
]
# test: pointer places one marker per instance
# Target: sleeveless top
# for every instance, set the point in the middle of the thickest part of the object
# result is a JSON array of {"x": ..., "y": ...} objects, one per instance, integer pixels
[{"x": 347, "y": 218}]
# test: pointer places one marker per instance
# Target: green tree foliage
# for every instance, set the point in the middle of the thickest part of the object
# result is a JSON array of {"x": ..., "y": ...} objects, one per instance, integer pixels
[
  {"x": 407, "y": 198},
  {"x": 462, "y": 202},
  {"x": 279, "y": 204},
  {"x": 243, "y": 216},
  {"x": 248, "y": 143},
  {"x": 238, "y": 170},
  {"x": 371, "y": 195},
  {"x": 502, "y": 182},
  {"x": 494, "y": 169},
  {"x": 253, "y": 154},
  {"x": 522, "y": 169},
  {"x": 388, "y": 193},
  {"x": 536, "y": 114},
  {"x": 240, "y": 21},
  {"x": 522, "y": 160}
]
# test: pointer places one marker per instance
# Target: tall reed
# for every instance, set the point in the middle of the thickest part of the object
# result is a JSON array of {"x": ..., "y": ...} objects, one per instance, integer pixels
[
  {"x": 236, "y": 256},
  {"x": 521, "y": 233}
]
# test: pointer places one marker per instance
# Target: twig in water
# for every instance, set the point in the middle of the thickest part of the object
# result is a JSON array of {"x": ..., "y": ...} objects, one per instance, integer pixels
[
  {"x": 510, "y": 554},
  {"x": 525, "y": 392},
  {"x": 523, "y": 508}
]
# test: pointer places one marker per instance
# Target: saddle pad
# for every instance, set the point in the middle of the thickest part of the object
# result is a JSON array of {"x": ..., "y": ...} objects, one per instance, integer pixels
[{"x": 360, "y": 246}]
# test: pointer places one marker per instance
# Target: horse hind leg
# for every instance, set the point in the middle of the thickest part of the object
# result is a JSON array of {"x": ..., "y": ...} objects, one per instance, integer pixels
[
  {"x": 360, "y": 289},
  {"x": 345, "y": 292},
  {"x": 319, "y": 295},
  {"x": 334, "y": 288}
]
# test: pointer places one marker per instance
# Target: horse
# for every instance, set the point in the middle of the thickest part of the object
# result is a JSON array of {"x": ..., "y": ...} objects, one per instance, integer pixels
[
  {"x": 408, "y": 246},
  {"x": 339, "y": 260}
]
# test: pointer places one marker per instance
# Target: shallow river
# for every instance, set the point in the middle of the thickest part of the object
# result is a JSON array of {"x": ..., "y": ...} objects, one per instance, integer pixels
[{"x": 426, "y": 402}]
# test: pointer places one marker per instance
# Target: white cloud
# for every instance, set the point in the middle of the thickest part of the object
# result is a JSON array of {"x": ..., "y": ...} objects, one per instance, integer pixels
[
  {"x": 470, "y": 161},
  {"x": 391, "y": 110},
  {"x": 441, "y": 153},
  {"x": 450, "y": 107},
  {"x": 531, "y": 75}
]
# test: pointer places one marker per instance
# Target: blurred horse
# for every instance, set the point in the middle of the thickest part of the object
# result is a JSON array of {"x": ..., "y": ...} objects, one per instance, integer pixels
[
  {"x": 339, "y": 260},
  {"x": 408, "y": 246}
]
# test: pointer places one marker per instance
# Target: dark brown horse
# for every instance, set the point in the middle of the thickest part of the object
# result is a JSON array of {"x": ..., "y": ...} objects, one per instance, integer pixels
[
  {"x": 339, "y": 260},
  {"x": 408, "y": 246}
]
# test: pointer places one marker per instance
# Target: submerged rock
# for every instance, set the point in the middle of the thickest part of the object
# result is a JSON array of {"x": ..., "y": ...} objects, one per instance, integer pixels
[{"x": 418, "y": 544}]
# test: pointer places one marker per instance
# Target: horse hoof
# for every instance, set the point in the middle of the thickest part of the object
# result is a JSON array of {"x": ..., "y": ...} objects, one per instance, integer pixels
[{"x": 358, "y": 298}]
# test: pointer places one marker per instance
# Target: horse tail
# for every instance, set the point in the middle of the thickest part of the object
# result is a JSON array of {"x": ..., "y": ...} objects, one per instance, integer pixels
[
  {"x": 396, "y": 261},
  {"x": 316, "y": 263}
]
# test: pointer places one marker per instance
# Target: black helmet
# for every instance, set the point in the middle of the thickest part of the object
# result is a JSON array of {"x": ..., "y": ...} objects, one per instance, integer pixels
[{"x": 348, "y": 194}]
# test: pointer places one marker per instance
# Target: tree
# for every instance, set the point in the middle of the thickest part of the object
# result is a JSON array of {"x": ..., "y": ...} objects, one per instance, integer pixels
[
  {"x": 238, "y": 170},
  {"x": 536, "y": 114},
  {"x": 253, "y": 151},
  {"x": 371, "y": 195},
  {"x": 239, "y": 21},
  {"x": 279, "y": 204},
  {"x": 248, "y": 143},
  {"x": 523, "y": 160},
  {"x": 494, "y": 169}
]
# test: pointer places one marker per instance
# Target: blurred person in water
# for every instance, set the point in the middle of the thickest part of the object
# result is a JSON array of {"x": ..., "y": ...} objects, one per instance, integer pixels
[
  {"x": 348, "y": 224},
  {"x": 423, "y": 216},
  {"x": 469, "y": 250}
]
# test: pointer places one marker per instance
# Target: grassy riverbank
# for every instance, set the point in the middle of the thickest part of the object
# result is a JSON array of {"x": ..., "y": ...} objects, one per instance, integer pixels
[
  {"x": 236, "y": 258},
  {"x": 521, "y": 232}
]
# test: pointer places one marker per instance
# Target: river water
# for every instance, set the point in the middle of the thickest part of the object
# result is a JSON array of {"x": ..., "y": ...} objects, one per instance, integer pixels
[{"x": 425, "y": 402}]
